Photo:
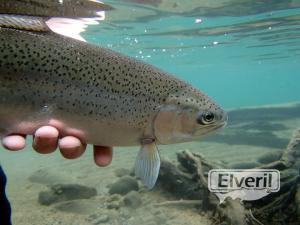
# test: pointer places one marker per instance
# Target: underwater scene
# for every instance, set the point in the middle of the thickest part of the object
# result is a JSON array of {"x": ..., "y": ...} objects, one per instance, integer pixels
[{"x": 243, "y": 54}]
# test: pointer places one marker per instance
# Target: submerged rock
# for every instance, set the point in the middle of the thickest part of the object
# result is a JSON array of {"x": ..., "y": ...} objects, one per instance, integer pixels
[
  {"x": 81, "y": 206},
  {"x": 101, "y": 219},
  {"x": 269, "y": 157},
  {"x": 113, "y": 201},
  {"x": 114, "y": 197},
  {"x": 177, "y": 182},
  {"x": 132, "y": 199},
  {"x": 121, "y": 172},
  {"x": 123, "y": 186},
  {"x": 113, "y": 205},
  {"x": 65, "y": 192},
  {"x": 244, "y": 165}
]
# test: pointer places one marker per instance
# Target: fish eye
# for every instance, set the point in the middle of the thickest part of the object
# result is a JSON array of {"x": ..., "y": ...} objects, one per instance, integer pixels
[{"x": 206, "y": 118}]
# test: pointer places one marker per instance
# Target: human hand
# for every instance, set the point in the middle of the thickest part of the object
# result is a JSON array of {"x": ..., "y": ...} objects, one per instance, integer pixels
[{"x": 46, "y": 140}]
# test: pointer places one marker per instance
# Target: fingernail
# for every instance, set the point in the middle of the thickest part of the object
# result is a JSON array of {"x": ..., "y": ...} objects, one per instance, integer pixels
[
  {"x": 72, "y": 153},
  {"x": 44, "y": 145},
  {"x": 13, "y": 142}
]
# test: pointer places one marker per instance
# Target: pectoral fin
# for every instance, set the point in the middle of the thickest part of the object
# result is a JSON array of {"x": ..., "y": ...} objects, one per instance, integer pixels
[{"x": 147, "y": 164}]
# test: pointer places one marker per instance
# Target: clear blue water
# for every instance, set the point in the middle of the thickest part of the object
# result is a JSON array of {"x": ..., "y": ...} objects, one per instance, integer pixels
[{"x": 239, "y": 60}]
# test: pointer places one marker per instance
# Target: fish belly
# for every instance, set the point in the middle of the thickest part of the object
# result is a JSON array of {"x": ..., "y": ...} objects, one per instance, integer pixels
[{"x": 25, "y": 119}]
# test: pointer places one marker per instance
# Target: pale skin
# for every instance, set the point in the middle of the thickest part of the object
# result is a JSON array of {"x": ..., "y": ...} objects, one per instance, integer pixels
[{"x": 46, "y": 140}]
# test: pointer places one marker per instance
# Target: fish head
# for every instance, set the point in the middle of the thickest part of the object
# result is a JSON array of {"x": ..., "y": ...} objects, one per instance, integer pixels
[{"x": 186, "y": 116}]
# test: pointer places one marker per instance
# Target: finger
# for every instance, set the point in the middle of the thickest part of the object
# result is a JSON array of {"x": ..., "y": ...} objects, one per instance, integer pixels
[
  {"x": 103, "y": 155},
  {"x": 45, "y": 139},
  {"x": 14, "y": 142},
  {"x": 71, "y": 147}
]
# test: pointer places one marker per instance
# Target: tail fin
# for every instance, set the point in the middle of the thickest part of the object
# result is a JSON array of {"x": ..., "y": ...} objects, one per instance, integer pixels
[
  {"x": 54, "y": 8},
  {"x": 65, "y": 17}
]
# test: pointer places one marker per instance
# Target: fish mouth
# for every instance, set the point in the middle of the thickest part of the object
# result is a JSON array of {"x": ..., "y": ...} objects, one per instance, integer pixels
[
  {"x": 222, "y": 124},
  {"x": 223, "y": 120}
]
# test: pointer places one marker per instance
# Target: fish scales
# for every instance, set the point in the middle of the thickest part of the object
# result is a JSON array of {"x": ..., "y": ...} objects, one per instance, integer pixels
[{"x": 75, "y": 78}]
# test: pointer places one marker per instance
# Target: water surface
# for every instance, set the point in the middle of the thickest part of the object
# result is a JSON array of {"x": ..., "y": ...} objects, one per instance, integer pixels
[{"x": 239, "y": 52}]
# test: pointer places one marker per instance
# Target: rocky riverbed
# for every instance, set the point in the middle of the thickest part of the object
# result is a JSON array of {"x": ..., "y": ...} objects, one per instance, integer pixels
[{"x": 49, "y": 190}]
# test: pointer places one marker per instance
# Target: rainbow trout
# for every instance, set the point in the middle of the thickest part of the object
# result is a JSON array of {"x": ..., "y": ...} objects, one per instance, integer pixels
[{"x": 99, "y": 95}]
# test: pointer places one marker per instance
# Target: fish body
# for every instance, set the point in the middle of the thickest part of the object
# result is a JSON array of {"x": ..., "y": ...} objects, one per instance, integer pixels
[
  {"x": 110, "y": 98},
  {"x": 103, "y": 97}
]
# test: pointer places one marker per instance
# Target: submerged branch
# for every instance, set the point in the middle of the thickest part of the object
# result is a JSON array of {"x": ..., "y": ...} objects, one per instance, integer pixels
[{"x": 193, "y": 170}]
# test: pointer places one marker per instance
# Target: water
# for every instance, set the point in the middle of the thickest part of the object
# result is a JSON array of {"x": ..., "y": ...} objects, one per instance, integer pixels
[
  {"x": 244, "y": 54},
  {"x": 242, "y": 58}
]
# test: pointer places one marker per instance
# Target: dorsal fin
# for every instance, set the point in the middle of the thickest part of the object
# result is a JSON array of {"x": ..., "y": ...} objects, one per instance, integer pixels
[{"x": 65, "y": 17}]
